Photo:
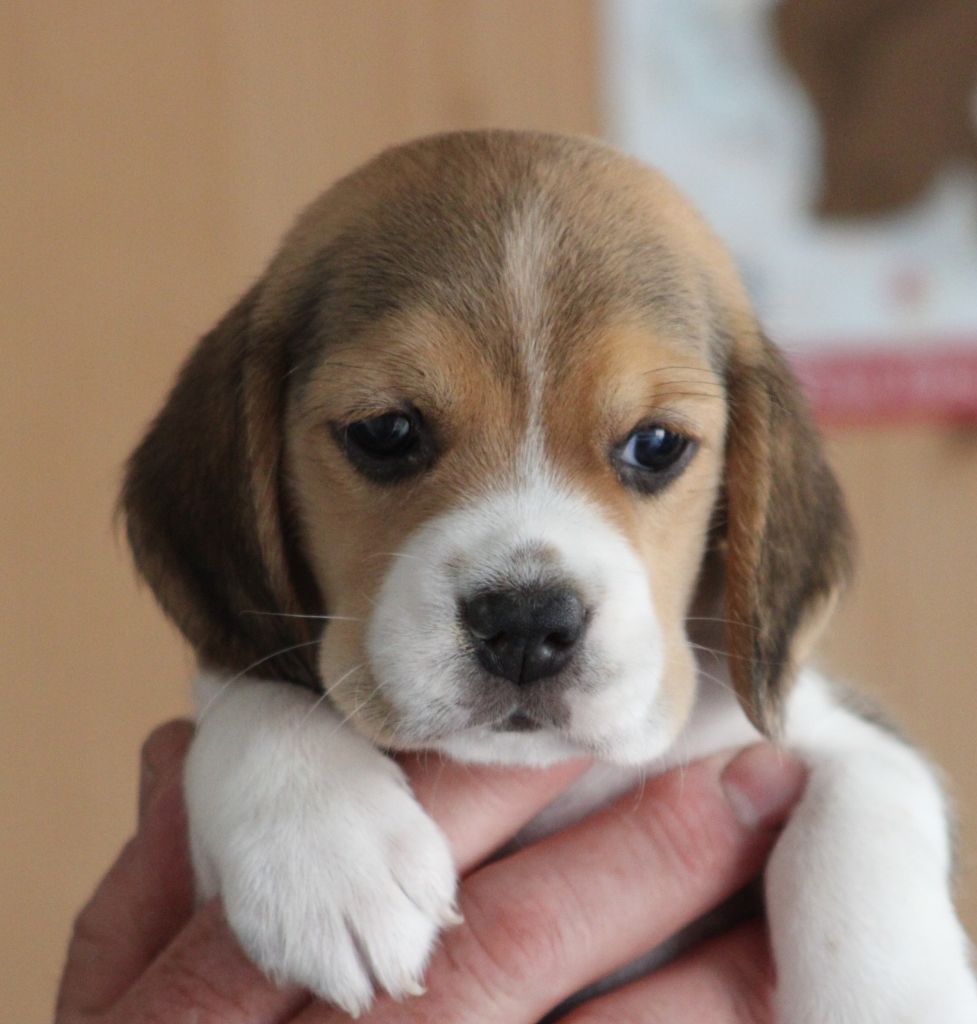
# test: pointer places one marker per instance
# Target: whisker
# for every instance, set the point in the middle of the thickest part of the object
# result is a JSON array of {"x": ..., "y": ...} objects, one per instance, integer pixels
[
  {"x": 719, "y": 655},
  {"x": 728, "y": 622},
  {"x": 359, "y": 707},
  {"x": 719, "y": 682},
  {"x": 397, "y": 554},
  {"x": 240, "y": 675},
  {"x": 322, "y": 696},
  {"x": 706, "y": 650},
  {"x": 328, "y": 690},
  {"x": 639, "y": 790},
  {"x": 299, "y": 615}
]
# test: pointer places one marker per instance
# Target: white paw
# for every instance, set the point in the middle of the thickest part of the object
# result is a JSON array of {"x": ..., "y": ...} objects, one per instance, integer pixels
[{"x": 338, "y": 888}]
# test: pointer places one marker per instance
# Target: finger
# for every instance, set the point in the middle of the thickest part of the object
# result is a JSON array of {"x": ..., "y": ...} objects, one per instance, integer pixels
[
  {"x": 555, "y": 917},
  {"x": 479, "y": 807},
  {"x": 202, "y": 976},
  {"x": 146, "y": 895},
  {"x": 729, "y": 980},
  {"x": 162, "y": 755}
]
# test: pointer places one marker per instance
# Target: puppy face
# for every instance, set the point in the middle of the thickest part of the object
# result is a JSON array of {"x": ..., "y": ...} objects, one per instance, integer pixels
[
  {"x": 489, "y": 393},
  {"x": 514, "y": 574}
]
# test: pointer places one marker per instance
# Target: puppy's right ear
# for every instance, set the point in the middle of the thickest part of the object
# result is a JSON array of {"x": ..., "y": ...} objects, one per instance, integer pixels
[
  {"x": 787, "y": 536},
  {"x": 207, "y": 512}
]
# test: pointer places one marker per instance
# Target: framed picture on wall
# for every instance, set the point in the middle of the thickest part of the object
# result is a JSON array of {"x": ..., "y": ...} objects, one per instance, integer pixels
[{"x": 834, "y": 149}]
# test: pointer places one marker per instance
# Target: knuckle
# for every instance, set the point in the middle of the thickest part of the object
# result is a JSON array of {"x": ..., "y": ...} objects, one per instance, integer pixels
[
  {"x": 94, "y": 925},
  {"x": 166, "y": 741},
  {"x": 683, "y": 825},
  {"x": 191, "y": 981},
  {"x": 87, "y": 933},
  {"x": 510, "y": 944}
]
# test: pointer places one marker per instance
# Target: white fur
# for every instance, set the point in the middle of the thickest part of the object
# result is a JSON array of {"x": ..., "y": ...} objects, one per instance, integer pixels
[
  {"x": 308, "y": 832},
  {"x": 332, "y": 875},
  {"x": 329, "y": 870},
  {"x": 425, "y": 673},
  {"x": 858, "y": 887},
  {"x": 529, "y": 245}
]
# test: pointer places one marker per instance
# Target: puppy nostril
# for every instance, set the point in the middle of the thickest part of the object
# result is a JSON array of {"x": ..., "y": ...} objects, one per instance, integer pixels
[
  {"x": 496, "y": 641},
  {"x": 561, "y": 639},
  {"x": 481, "y": 618}
]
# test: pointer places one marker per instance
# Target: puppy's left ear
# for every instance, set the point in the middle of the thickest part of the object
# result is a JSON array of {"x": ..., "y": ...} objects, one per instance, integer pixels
[
  {"x": 787, "y": 535},
  {"x": 207, "y": 507}
]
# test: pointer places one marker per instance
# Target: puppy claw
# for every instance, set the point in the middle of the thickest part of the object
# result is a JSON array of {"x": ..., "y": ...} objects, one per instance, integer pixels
[
  {"x": 353, "y": 1010},
  {"x": 364, "y": 923},
  {"x": 451, "y": 918}
]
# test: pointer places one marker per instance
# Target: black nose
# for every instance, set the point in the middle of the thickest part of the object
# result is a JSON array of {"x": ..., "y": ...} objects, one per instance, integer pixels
[{"x": 526, "y": 634}]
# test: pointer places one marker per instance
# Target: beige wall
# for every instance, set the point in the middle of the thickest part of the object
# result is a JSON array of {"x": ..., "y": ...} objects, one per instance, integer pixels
[
  {"x": 152, "y": 154},
  {"x": 908, "y": 631}
]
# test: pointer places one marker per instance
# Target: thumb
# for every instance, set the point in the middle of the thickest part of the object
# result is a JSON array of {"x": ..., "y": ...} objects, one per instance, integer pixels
[{"x": 162, "y": 755}]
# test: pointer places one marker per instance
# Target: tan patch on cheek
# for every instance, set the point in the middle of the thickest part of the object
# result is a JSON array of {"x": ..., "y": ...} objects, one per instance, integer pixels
[
  {"x": 622, "y": 379},
  {"x": 355, "y": 528}
]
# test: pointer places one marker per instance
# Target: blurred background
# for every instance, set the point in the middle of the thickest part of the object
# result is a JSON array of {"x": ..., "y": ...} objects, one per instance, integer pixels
[{"x": 152, "y": 154}]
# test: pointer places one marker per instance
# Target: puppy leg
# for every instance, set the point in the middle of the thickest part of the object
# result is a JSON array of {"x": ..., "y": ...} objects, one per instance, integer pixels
[
  {"x": 858, "y": 887},
  {"x": 331, "y": 874}
]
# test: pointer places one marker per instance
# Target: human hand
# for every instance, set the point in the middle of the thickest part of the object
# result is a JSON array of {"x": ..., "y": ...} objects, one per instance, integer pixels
[{"x": 539, "y": 924}]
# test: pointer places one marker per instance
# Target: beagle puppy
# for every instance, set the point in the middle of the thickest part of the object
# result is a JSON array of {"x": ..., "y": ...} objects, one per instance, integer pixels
[{"x": 480, "y": 463}]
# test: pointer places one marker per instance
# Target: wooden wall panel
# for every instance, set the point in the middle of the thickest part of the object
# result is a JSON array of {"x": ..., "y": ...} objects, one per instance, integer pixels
[
  {"x": 314, "y": 94},
  {"x": 152, "y": 154},
  {"x": 907, "y": 632}
]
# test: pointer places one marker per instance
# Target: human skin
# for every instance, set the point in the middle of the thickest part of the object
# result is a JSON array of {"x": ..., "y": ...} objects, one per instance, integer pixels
[{"x": 538, "y": 925}]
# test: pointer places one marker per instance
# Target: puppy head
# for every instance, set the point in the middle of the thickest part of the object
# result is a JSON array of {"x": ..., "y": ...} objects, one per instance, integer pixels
[{"x": 497, "y": 409}]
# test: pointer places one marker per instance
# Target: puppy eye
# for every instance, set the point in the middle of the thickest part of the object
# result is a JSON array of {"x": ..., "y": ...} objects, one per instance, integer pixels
[
  {"x": 654, "y": 449},
  {"x": 652, "y": 456},
  {"x": 389, "y": 447},
  {"x": 390, "y": 436}
]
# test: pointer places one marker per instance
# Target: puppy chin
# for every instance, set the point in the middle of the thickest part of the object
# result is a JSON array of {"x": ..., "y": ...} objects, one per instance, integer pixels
[
  {"x": 547, "y": 746},
  {"x": 628, "y": 736},
  {"x": 537, "y": 749}
]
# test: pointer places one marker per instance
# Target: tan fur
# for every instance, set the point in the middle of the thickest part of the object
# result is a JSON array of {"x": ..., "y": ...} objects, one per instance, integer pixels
[
  {"x": 788, "y": 538},
  {"x": 355, "y": 528},
  {"x": 598, "y": 391},
  {"x": 502, "y": 283}
]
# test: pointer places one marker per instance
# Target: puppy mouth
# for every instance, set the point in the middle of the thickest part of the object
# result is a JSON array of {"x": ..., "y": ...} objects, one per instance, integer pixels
[{"x": 517, "y": 721}]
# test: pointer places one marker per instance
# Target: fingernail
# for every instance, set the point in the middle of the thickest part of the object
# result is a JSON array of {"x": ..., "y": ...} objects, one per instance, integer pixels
[
  {"x": 148, "y": 774},
  {"x": 164, "y": 746},
  {"x": 762, "y": 783}
]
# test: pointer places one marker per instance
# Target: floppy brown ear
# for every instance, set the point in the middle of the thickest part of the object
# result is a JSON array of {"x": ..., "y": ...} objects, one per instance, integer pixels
[
  {"x": 206, "y": 510},
  {"x": 787, "y": 535}
]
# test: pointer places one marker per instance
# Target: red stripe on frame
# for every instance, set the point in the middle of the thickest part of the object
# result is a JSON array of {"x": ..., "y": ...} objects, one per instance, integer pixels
[{"x": 879, "y": 386}]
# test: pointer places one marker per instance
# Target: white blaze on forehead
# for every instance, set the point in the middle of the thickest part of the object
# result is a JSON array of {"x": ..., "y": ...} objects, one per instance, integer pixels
[{"x": 530, "y": 242}]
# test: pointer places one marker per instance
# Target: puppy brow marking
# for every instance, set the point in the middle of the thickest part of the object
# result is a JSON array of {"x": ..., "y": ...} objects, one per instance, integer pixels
[{"x": 528, "y": 245}]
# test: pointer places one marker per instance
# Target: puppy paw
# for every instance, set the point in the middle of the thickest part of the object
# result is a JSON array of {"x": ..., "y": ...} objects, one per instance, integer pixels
[{"x": 341, "y": 889}]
